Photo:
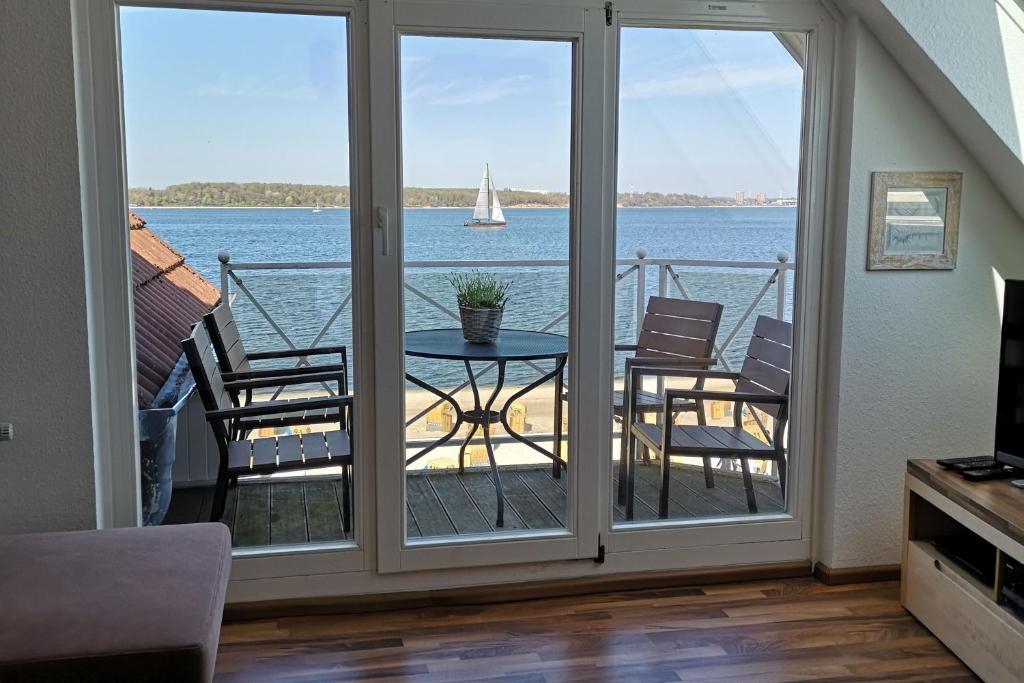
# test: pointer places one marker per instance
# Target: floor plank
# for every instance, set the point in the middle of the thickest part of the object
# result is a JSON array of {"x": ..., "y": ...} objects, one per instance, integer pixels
[
  {"x": 252, "y": 516},
  {"x": 481, "y": 489},
  {"x": 430, "y": 515},
  {"x": 547, "y": 490},
  {"x": 461, "y": 509},
  {"x": 323, "y": 511},
  {"x": 765, "y": 631},
  {"x": 287, "y": 514}
]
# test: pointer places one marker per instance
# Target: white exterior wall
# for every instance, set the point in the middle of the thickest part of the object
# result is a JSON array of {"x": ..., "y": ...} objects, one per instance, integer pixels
[
  {"x": 46, "y": 473},
  {"x": 915, "y": 372}
]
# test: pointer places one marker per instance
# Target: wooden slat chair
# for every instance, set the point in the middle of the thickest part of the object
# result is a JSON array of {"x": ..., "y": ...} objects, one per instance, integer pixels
[
  {"x": 678, "y": 332},
  {"x": 235, "y": 364},
  {"x": 241, "y": 456},
  {"x": 763, "y": 383}
]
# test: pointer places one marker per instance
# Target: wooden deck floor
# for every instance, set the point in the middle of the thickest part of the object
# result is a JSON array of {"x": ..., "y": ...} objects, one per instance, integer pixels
[{"x": 443, "y": 503}]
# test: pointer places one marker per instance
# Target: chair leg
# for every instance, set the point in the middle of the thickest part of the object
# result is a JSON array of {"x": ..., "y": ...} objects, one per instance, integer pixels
[
  {"x": 623, "y": 468},
  {"x": 630, "y": 472},
  {"x": 781, "y": 464},
  {"x": 220, "y": 495},
  {"x": 748, "y": 484},
  {"x": 665, "y": 479},
  {"x": 346, "y": 498}
]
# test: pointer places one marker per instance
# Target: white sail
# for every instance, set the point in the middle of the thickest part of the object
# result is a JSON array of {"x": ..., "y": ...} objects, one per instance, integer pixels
[
  {"x": 481, "y": 211},
  {"x": 496, "y": 213}
]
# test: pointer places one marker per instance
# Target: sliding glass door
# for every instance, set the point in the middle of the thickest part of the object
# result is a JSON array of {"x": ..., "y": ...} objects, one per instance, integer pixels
[
  {"x": 713, "y": 232},
  {"x": 482, "y": 463}
]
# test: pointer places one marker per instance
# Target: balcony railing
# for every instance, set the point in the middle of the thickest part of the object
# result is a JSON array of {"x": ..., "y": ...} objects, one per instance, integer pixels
[{"x": 648, "y": 276}]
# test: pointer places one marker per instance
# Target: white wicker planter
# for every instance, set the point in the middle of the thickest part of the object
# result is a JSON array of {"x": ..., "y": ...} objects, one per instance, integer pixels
[{"x": 480, "y": 325}]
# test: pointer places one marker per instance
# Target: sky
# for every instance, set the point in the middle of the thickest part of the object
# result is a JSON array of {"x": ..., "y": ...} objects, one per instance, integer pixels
[{"x": 250, "y": 97}]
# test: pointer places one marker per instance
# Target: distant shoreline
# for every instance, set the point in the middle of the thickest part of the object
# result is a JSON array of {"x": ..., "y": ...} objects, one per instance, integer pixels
[{"x": 470, "y": 208}]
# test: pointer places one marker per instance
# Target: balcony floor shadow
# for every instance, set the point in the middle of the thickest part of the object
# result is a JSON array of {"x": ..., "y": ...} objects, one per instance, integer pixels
[{"x": 444, "y": 503}]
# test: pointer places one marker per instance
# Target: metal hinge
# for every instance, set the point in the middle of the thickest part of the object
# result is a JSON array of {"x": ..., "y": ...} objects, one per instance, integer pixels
[
  {"x": 607, "y": 14},
  {"x": 600, "y": 551}
]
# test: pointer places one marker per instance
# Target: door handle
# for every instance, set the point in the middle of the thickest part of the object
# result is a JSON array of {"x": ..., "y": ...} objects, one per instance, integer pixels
[{"x": 384, "y": 227}]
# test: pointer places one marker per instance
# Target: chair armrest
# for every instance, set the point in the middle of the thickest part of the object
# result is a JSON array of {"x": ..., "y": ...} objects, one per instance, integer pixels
[
  {"x": 626, "y": 347},
  {"x": 636, "y": 368},
  {"x": 295, "y": 353},
  {"x": 279, "y": 381},
  {"x": 282, "y": 372},
  {"x": 731, "y": 396},
  {"x": 271, "y": 407}
]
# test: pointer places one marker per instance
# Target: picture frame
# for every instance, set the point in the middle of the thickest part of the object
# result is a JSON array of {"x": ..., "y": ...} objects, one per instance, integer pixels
[{"x": 915, "y": 220}]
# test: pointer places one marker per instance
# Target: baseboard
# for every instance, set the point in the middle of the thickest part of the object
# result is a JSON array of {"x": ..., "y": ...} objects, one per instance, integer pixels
[
  {"x": 530, "y": 590},
  {"x": 842, "y": 575}
]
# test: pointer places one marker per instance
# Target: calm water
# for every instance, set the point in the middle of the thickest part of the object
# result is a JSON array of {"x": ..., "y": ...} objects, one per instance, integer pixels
[{"x": 302, "y": 302}]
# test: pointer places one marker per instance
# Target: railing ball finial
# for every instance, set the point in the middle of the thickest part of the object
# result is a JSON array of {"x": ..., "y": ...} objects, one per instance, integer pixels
[
  {"x": 641, "y": 252},
  {"x": 782, "y": 256},
  {"x": 223, "y": 256}
]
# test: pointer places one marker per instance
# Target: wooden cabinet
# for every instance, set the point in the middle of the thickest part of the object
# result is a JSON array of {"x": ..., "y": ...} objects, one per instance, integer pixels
[{"x": 956, "y": 534}]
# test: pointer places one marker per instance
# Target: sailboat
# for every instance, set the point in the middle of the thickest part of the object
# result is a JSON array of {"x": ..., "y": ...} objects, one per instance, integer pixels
[
  {"x": 487, "y": 213},
  {"x": 316, "y": 209}
]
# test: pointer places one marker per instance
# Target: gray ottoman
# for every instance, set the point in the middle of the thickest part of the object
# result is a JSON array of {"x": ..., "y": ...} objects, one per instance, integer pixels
[{"x": 113, "y": 605}]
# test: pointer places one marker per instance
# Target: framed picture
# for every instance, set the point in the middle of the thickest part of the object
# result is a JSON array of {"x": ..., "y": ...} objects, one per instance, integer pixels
[{"x": 915, "y": 220}]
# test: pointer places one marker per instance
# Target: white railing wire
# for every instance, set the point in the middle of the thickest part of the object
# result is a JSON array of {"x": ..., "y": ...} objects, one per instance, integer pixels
[{"x": 668, "y": 271}]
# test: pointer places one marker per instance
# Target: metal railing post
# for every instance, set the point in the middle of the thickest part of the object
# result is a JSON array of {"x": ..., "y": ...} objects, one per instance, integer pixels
[
  {"x": 225, "y": 259},
  {"x": 780, "y": 292},
  {"x": 641, "y": 288}
]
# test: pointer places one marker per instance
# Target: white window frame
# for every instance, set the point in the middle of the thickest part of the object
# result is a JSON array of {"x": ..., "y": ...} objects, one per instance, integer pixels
[
  {"x": 584, "y": 28},
  {"x": 301, "y": 573},
  {"x": 110, "y": 310},
  {"x": 811, "y": 18}
]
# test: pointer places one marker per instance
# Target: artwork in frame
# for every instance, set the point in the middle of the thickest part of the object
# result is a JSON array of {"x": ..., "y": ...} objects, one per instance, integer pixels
[{"x": 915, "y": 220}]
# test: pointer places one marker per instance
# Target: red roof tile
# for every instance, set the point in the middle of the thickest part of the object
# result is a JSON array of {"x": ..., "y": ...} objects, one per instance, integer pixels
[{"x": 170, "y": 297}]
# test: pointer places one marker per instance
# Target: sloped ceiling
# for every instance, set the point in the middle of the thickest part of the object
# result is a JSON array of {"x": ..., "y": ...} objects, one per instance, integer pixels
[{"x": 967, "y": 58}]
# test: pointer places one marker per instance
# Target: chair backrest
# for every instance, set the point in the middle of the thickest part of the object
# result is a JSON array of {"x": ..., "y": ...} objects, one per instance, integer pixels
[
  {"x": 202, "y": 361},
  {"x": 768, "y": 364},
  {"x": 679, "y": 328},
  {"x": 227, "y": 342}
]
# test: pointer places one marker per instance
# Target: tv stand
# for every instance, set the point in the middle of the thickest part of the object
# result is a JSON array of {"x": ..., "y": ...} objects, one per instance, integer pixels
[{"x": 956, "y": 535}]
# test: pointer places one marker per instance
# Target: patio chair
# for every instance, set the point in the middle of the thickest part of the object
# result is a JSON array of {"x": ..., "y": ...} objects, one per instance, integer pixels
[
  {"x": 762, "y": 383},
  {"x": 230, "y": 424},
  {"x": 235, "y": 361},
  {"x": 677, "y": 332}
]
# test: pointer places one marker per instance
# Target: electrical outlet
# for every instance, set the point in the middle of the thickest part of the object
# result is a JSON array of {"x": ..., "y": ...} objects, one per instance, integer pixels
[{"x": 6, "y": 431}]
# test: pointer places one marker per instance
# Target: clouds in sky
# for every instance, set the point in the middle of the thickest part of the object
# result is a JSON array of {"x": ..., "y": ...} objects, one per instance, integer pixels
[{"x": 711, "y": 79}]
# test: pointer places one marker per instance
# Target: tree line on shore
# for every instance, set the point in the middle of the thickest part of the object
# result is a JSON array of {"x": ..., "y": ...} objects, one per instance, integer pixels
[{"x": 289, "y": 194}]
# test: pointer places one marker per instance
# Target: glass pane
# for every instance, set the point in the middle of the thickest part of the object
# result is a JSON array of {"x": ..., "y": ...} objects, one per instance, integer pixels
[
  {"x": 237, "y": 152},
  {"x": 709, "y": 148},
  {"x": 486, "y": 151}
]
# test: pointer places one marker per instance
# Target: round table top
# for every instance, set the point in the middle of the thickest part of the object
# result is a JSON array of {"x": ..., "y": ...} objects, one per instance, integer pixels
[{"x": 448, "y": 344}]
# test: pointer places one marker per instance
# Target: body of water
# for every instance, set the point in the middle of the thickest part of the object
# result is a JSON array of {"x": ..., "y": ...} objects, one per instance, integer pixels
[{"x": 302, "y": 302}]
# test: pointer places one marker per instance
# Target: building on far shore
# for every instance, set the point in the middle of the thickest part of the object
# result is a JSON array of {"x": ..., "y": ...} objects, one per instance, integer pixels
[{"x": 739, "y": 196}]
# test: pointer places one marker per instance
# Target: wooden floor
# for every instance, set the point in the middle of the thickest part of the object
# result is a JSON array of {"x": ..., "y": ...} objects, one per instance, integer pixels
[
  {"x": 771, "y": 631},
  {"x": 443, "y": 503}
]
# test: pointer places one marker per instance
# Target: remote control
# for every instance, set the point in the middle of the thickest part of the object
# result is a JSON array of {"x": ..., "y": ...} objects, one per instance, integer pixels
[
  {"x": 990, "y": 473},
  {"x": 985, "y": 464},
  {"x": 950, "y": 463},
  {"x": 1019, "y": 483}
]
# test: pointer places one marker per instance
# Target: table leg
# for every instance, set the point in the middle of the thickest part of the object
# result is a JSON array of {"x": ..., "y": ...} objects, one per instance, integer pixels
[
  {"x": 476, "y": 407},
  {"x": 455, "y": 427},
  {"x": 556, "y": 458},
  {"x": 490, "y": 449}
]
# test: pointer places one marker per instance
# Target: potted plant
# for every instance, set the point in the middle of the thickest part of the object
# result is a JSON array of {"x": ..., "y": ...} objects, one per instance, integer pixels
[{"x": 481, "y": 303}]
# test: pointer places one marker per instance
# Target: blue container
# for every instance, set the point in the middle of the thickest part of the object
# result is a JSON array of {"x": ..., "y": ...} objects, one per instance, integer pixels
[{"x": 158, "y": 427}]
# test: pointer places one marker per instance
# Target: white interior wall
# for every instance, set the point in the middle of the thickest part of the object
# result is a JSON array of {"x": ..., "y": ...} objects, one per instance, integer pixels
[
  {"x": 916, "y": 374},
  {"x": 46, "y": 472}
]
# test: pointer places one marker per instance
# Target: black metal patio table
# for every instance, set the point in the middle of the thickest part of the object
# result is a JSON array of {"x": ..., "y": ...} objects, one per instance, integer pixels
[{"x": 511, "y": 345}]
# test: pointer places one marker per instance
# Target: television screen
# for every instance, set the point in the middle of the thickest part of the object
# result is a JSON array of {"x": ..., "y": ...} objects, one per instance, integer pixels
[{"x": 1010, "y": 401}]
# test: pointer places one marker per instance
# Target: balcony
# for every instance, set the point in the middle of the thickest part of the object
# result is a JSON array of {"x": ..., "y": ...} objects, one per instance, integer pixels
[{"x": 305, "y": 507}]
